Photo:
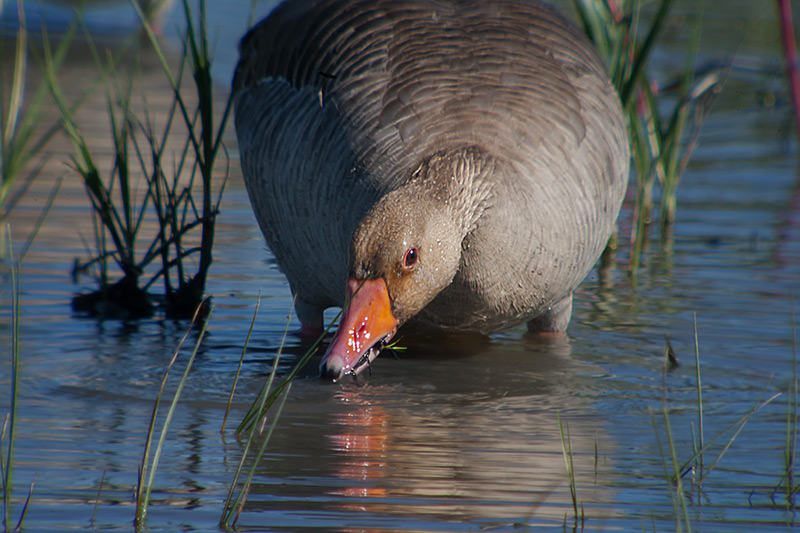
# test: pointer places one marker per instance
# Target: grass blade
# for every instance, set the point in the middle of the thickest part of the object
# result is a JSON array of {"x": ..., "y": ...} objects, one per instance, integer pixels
[
  {"x": 790, "y": 447},
  {"x": 10, "y": 432},
  {"x": 675, "y": 495},
  {"x": 262, "y": 407},
  {"x": 644, "y": 52},
  {"x": 144, "y": 489},
  {"x": 97, "y": 500},
  {"x": 701, "y": 446},
  {"x": 241, "y": 360},
  {"x": 173, "y": 404},
  {"x": 737, "y": 426},
  {"x": 21, "y": 120},
  {"x": 25, "y": 506},
  {"x": 733, "y": 437},
  {"x": 18, "y": 80},
  {"x": 566, "y": 449},
  {"x": 242, "y": 498},
  {"x": 42, "y": 216}
]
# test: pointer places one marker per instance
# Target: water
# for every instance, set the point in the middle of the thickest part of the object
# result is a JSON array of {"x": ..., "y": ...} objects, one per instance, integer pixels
[{"x": 456, "y": 434}]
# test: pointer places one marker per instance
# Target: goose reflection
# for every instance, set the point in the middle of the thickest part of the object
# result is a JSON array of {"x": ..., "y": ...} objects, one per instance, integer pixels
[{"x": 471, "y": 436}]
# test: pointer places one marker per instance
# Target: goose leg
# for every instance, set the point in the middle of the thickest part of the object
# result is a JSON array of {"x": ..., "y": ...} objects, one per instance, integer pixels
[
  {"x": 555, "y": 319},
  {"x": 310, "y": 315}
]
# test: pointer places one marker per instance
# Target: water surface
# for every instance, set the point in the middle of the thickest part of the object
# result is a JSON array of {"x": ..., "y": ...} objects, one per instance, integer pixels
[{"x": 455, "y": 434}]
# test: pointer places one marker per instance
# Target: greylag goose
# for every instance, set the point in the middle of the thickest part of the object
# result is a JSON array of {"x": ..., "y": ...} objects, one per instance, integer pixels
[{"x": 456, "y": 164}]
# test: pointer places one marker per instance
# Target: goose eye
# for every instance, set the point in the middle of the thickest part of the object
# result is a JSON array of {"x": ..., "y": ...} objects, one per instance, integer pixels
[{"x": 410, "y": 258}]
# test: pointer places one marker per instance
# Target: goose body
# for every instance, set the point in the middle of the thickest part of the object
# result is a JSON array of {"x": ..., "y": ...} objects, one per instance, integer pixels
[{"x": 458, "y": 164}]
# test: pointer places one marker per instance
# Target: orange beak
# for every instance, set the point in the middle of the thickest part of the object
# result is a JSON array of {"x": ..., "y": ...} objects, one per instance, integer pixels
[{"x": 366, "y": 321}]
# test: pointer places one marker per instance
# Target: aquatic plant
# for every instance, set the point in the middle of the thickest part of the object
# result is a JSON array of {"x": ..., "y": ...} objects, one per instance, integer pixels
[
  {"x": 241, "y": 361},
  {"x": 8, "y": 432},
  {"x": 660, "y": 148},
  {"x": 205, "y": 137},
  {"x": 675, "y": 470},
  {"x": 97, "y": 500},
  {"x": 21, "y": 142},
  {"x": 234, "y": 503},
  {"x": 569, "y": 462},
  {"x": 147, "y": 468},
  {"x": 140, "y": 154},
  {"x": 672, "y": 472},
  {"x": 23, "y": 138},
  {"x": 267, "y": 396},
  {"x": 119, "y": 224},
  {"x": 788, "y": 484}
]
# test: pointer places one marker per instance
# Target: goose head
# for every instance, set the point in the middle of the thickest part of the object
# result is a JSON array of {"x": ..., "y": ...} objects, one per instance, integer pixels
[{"x": 403, "y": 253}]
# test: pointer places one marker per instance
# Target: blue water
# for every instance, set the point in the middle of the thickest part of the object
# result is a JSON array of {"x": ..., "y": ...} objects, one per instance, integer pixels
[{"x": 454, "y": 434}]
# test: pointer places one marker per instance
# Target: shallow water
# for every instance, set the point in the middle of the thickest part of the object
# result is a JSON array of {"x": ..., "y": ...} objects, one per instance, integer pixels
[{"x": 454, "y": 434}]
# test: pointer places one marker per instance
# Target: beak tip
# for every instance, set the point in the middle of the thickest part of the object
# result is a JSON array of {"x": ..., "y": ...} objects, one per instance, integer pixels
[{"x": 331, "y": 368}]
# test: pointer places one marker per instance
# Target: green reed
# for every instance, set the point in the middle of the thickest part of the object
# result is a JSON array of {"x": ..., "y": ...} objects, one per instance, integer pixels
[
  {"x": 675, "y": 470},
  {"x": 205, "y": 136},
  {"x": 267, "y": 396},
  {"x": 97, "y": 501},
  {"x": 699, "y": 438},
  {"x": 147, "y": 468},
  {"x": 569, "y": 462},
  {"x": 241, "y": 362},
  {"x": 672, "y": 472},
  {"x": 788, "y": 484},
  {"x": 22, "y": 140},
  {"x": 8, "y": 432},
  {"x": 253, "y": 424},
  {"x": 23, "y": 136},
  {"x": 661, "y": 143},
  {"x": 140, "y": 160},
  {"x": 235, "y": 501}
]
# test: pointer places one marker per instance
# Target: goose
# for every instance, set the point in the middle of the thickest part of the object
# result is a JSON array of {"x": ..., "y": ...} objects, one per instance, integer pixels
[{"x": 456, "y": 165}]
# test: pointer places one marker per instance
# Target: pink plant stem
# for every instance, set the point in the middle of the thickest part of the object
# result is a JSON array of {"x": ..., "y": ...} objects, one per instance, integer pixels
[{"x": 790, "y": 55}]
